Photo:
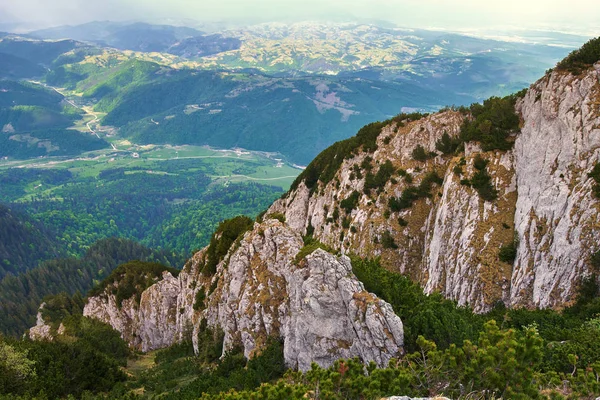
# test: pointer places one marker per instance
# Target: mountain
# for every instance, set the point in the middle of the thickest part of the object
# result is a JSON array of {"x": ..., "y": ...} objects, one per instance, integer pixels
[
  {"x": 35, "y": 122},
  {"x": 178, "y": 40},
  {"x": 444, "y": 60},
  {"x": 35, "y": 51},
  {"x": 497, "y": 203},
  {"x": 494, "y": 206}
]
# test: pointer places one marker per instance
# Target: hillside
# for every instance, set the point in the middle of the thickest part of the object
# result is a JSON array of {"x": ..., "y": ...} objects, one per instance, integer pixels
[
  {"x": 492, "y": 204},
  {"x": 23, "y": 243},
  {"x": 21, "y": 295},
  {"x": 494, "y": 207},
  {"x": 35, "y": 122}
]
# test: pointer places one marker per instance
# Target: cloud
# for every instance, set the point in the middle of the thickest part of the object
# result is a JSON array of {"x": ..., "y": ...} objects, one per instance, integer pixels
[{"x": 442, "y": 13}]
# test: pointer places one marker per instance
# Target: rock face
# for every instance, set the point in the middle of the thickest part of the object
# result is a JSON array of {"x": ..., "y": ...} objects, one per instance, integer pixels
[
  {"x": 42, "y": 330},
  {"x": 315, "y": 304},
  {"x": 556, "y": 218},
  {"x": 448, "y": 238},
  {"x": 149, "y": 325},
  {"x": 450, "y": 241}
]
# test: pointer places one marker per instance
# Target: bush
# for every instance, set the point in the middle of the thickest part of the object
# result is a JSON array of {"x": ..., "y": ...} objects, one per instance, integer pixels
[
  {"x": 350, "y": 202},
  {"x": 278, "y": 216},
  {"x": 199, "y": 300},
  {"x": 226, "y": 234},
  {"x": 310, "y": 245},
  {"x": 387, "y": 241},
  {"x": 411, "y": 193},
  {"x": 595, "y": 175},
  {"x": 579, "y": 60},
  {"x": 378, "y": 181},
  {"x": 492, "y": 123},
  {"x": 419, "y": 153},
  {"x": 508, "y": 252},
  {"x": 324, "y": 167},
  {"x": 447, "y": 145}
]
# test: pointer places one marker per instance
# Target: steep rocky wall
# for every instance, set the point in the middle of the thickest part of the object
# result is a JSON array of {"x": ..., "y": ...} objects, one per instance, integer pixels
[
  {"x": 149, "y": 325},
  {"x": 450, "y": 241},
  {"x": 556, "y": 218},
  {"x": 316, "y": 305},
  {"x": 464, "y": 234}
]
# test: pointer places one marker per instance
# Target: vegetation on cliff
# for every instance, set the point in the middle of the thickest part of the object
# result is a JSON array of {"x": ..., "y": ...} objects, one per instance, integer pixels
[
  {"x": 581, "y": 59},
  {"x": 21, "y": 295},
  {"x": 131, "y": 279}
]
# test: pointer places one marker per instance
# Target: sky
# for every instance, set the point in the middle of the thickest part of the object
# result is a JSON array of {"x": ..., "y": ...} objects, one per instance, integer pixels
[{"x": 445, "y": 14}]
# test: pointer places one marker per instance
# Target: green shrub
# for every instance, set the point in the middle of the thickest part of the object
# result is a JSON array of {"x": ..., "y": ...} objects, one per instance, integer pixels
[
  {"x": 350, "y": 202},
  {"x": 508, "y": 252},
  {"x": 387, "y": 241},
  {"x": 479, "y": 163},
  {"x": 447, "y": 145},
  {"x": 226, "y": 234},
  {"x": 492, "y": 123},
  {"x": 131, "y": 279},
  {"x": 278, "y": 216},
  {"x": 595, "y": 175},
  {"x": 419, "y": 153},
  {"x": 310, "y": 245},
  {"x": 379, "y": 180},
  {"x": 595, "y": 260},
  {"x": 324, "y": 167},
  {"x": 482, "y": 182},
  {"x": 199, "y": 300},
  {"x": 583, "y": 58}
]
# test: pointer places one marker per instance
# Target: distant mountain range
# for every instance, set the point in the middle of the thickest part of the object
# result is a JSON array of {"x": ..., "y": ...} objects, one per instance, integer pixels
[{"x": 288, "y": 88}]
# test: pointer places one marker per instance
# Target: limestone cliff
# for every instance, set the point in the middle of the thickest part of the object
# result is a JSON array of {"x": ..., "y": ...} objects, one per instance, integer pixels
[
  {"x": 517, "y": 224},
  {"x": 260, "y": 290},
  {"x": 450, "y": 240}
]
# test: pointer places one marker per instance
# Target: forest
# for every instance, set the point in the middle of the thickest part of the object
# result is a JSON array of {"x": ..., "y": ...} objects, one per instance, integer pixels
[{"x": 449, "y": 350}]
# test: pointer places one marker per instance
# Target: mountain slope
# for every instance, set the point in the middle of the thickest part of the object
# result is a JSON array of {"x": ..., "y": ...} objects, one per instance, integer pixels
[
  {"x": 455, "y": 233},
  {"x": 23, "y": 243}
]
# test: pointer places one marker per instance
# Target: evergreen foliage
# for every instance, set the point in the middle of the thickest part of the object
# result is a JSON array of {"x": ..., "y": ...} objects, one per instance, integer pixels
[
  {"x": 508, "y": 252},
  {"x": 220, "y": 243},
  {"x": 23, "y": 242},
  {"x": 412, "y": 193},
  {"x": 350, "y": 202},
  {"x": 419, "y": 153},
  {"x": 131, "y": 279},
  {"x": 595, "y": 175},
  {"x": 87, "y": 359},
  {"x": 481, "y": 180},
  {"x": 310, "y": 245},
  {"x": 379, "y": 180},
  {"x": 581, "y": 59},
  {"x": 447, "y": 145},
  {"x": 492, "y": 122},
  {"x": 20, "y": 296}
]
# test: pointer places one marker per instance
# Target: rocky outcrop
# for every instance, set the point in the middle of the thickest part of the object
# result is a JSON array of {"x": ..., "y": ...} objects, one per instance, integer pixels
[
  {"x": 556, "y": 218},
  {"x": 450, "y": 241},
  {"x": 316, "y": 305},
  {"x": 261, "y": 290},
  {"x": 149, "y": 325},
  {"x": 42, "y": 330}
]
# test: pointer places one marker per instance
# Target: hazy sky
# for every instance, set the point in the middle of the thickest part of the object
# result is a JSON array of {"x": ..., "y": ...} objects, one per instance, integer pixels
[{"x": 414, "y": 13}]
